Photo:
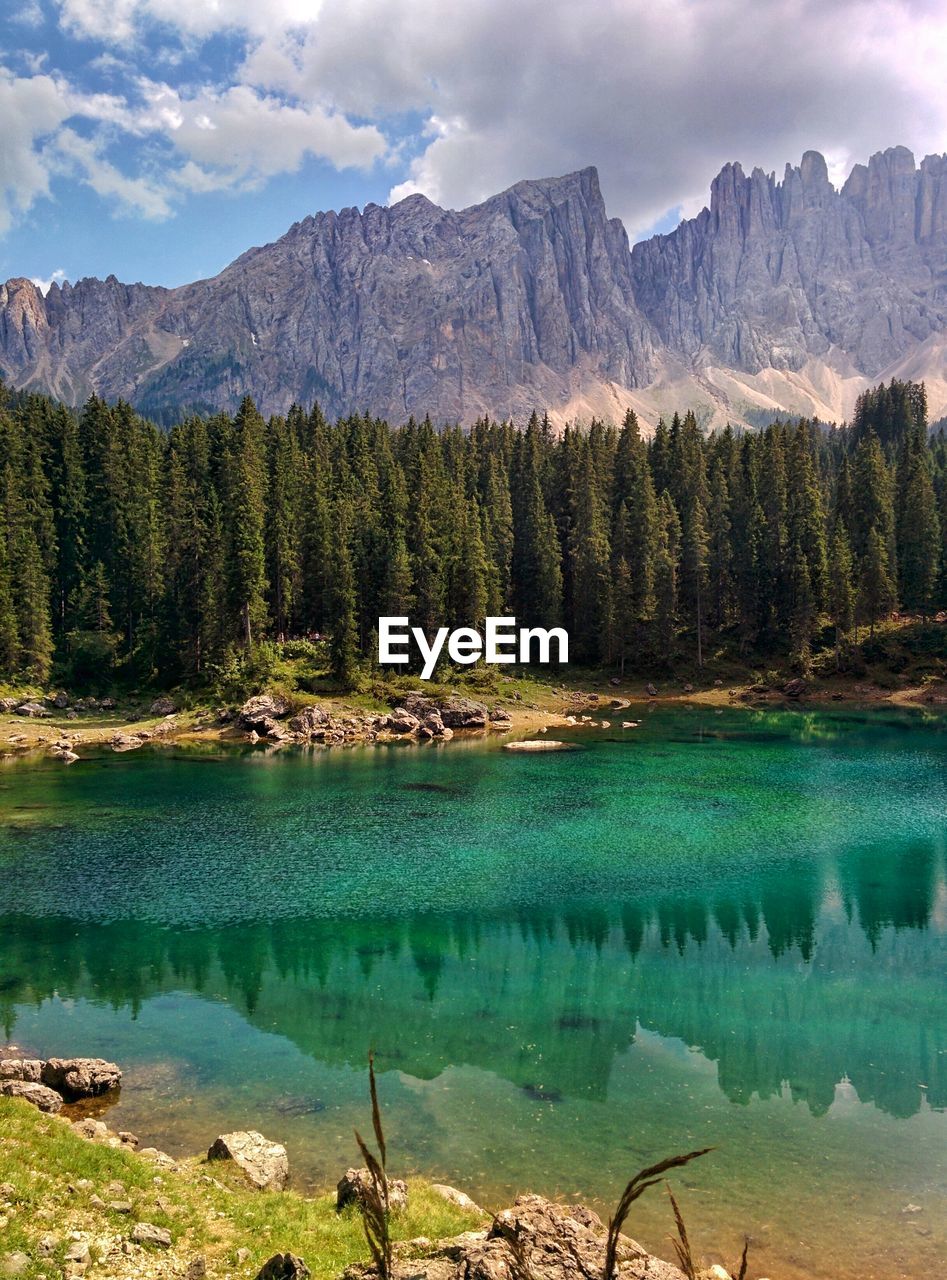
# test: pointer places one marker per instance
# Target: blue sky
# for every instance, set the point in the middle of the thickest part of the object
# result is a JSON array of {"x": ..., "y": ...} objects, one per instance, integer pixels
[{"x": 158, "y": 139}]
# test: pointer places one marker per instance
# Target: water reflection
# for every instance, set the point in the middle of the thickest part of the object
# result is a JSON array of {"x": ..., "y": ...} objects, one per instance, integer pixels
[{"x": 817, "y": 976}]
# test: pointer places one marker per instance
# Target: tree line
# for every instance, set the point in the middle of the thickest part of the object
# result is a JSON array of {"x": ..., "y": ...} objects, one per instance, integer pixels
[{"x": 127, "y": 550}]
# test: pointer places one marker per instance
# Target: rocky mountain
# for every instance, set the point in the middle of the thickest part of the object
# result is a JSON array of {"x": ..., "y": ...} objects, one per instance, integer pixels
[{"x": 782, "y": 295}]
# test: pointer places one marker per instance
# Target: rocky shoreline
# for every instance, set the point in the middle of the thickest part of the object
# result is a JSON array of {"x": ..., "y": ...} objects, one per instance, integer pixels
[
  {"x": 534, "y": 1239},
  {"x": 64, "y": 728}
]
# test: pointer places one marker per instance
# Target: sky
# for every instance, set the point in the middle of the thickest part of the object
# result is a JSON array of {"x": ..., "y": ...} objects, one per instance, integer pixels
[{"x": 159, "y": 139}]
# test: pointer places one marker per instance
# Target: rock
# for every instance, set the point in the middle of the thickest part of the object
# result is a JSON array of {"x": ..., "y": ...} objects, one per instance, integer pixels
[
  {"x": 60, "y": 700},
  {"x": 120, "y": 1206},
  {"x": 196, "y": 1269},
  {"x": 7, "y": 1191},
  {"x": 310, "y": 721},
  {"x": 91, "y": 1130},
  {"x": 147, "y": 1234},
  {"x": 283, "y": 1266},
  {"x": 81, "y": 1077},
  {"x": 261, "y": 713},
  {"x": 552, "y": 1242},
  {"x": 243, "y": 1257},
  {"x": 500, "y": 717},
  {"x": 455, "y": 1197},
  {"x": 30, "y": 1069},
  {"x": 32, "y": 711},
  {"x": 351, "y": 1187},
  {"x": 78, "y": 1251},
  {"x": 96, "y": 1202},
  {"x": 794, "y": 688},
  {"x": 547, "y": 744},
  {"x": 688, "y": 688},
  {"x": 126, "y": 742},
  {"x": 47, "y": 1244},
  {"x": 454, "y": 712},
  {"x": 402, "y": 721},
  {"x": 45, "y": 1099},
  {"x": 14, "y": 1264},
  {"x": 163, "y": 707},
  {"x": 651, "y": 691},
  {"x": 264, "y": 1163},
  {"x": 8, "y": 704}
]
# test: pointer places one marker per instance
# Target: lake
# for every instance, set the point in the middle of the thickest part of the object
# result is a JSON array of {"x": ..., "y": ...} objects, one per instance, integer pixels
[{"x": 724, "y": 928}]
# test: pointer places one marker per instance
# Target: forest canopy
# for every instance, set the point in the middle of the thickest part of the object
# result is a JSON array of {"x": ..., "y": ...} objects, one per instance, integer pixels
[{"x": 131, "y": 552}]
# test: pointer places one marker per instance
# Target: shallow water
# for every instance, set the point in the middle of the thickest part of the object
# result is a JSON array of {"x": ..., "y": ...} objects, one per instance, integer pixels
[{"x": 724, "y": 929}]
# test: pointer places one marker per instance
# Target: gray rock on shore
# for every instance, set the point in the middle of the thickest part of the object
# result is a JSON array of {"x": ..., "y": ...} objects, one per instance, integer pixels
[
  {"x": 47, "y": 1100},
  {"x": 264, "y": 1164},
  {"x": 354, "y": 1183}
]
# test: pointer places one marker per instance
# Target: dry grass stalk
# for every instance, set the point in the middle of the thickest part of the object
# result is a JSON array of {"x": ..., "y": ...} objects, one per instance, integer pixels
[
  {"x": 682, "y": 1246},
  {"x": 638, "y": 1185},
  {"x": 374, "y": 1203}
]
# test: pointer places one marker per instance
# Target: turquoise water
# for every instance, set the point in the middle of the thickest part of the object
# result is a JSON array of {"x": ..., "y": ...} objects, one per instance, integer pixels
[{"x": 722, "y": 928}]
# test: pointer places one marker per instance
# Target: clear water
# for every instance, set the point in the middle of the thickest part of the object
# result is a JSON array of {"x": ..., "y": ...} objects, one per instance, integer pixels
[{"x": 722, "y": 928}]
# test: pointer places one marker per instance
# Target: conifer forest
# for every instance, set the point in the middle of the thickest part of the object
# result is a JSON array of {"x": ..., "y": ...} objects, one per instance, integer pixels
[{"x": 131, "y": 552}]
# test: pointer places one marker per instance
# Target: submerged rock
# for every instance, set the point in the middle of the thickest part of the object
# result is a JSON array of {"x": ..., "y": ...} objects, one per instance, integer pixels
[
  {"x": 354, "y": 1184},
  {"x": 547, "y": 744},
  {"x": 264, "y": 1164}
]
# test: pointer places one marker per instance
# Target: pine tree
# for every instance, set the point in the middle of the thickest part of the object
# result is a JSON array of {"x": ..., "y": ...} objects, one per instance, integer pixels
[
  {"x": 841, "y": 594},
  {"x": 342, "y": 618},
  {"x": 918, "y": 528},
  {"x": 876, "y": 593}
]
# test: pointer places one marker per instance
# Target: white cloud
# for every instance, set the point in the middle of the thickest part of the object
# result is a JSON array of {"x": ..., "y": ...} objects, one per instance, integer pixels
[
  {"x": 84, "y": 158},
  {"x": 32, "y": 109},
  {"x": 56, "y": 277},
  {"x": 658, "y": 96}
]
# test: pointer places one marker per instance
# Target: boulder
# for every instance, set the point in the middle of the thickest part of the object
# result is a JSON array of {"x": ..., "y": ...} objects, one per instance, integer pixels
[
  {"x": 47, "y": 1100},
  {"x": 107, "y": 704},
  {"x": 259, "y": 713},
  {"x": 500, "y": 717},
  {"x": 81, "y": 1077},
  {"x": 8, "y": 704},
  {"x": 60, "y": 700},
  {"x": 651, "y": 691},
  {"x": 14, "y": 1264},
  {"x": 29, "y": 1069},
  {"x": 536, "y": 1238},
  {"x": 283, "y": 1266},
  {"x": 148, "y": 1234},
  {"x": 794, "y": 688},
  {"x": 32, "y": 710},
  {"x": 354, "y": 1183},
  {"x": 310, "y": 721},
  {"x": 454, "y": 712},
  {"x": 458, "y": 1198},
  {"x": 402, "y": 721},
  {"x": 264, "y": 1163},
  {"x": 163, "y": 707},
  {"x": 126, "y": 742}
]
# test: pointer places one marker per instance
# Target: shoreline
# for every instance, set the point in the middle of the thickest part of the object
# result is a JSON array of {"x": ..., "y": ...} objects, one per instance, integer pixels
[{"x": 22, "y": 736}]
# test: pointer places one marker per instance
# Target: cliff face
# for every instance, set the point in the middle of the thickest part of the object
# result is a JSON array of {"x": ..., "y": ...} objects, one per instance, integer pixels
[
  {"x": 532, "y": 299},
  {"x": 777, "y": 272},
  {"x": 412, "y": 309}
]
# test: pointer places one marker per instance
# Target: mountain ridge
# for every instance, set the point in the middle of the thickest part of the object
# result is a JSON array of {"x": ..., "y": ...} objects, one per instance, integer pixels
[{"x": 786, "y": 295}]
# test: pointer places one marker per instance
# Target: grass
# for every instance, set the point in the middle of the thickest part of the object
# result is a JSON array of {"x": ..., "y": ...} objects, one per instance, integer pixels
[{"x": 42, "y": 1158}]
